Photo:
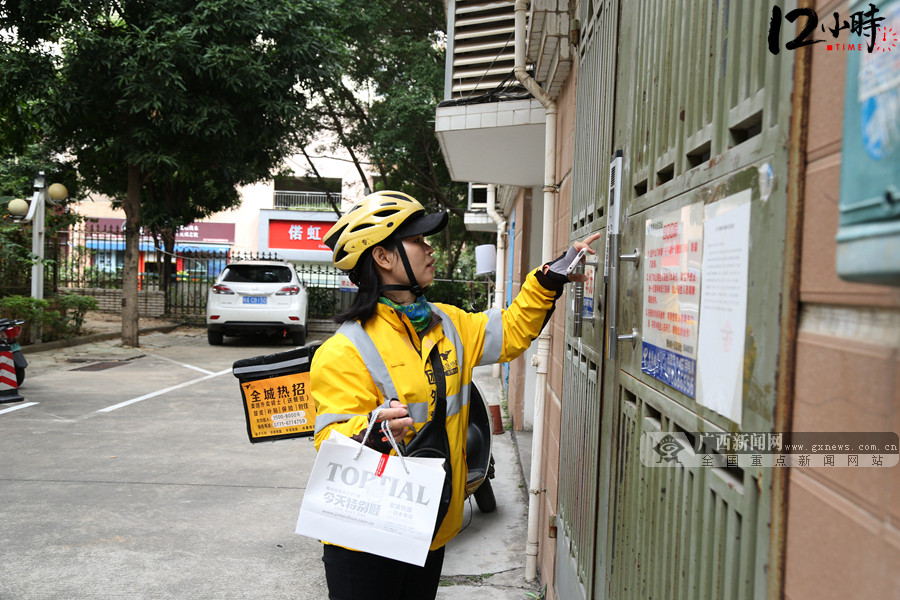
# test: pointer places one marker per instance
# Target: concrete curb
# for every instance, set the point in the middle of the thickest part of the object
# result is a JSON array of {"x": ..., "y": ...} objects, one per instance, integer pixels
[{"x": 94, "y": 337}]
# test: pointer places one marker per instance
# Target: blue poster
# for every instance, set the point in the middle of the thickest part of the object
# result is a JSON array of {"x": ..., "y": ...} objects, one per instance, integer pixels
[{"x": 672, "y": 369}]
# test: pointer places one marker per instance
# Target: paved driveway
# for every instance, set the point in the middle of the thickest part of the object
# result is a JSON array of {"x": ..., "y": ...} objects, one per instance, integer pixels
[
  {"x": 127, "y": 473},
  {"x": 138, "y": 480}
]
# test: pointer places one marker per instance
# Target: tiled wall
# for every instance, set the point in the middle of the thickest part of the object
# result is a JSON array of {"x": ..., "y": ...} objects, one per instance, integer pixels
[
  {"x": 843, "y": 525},
  {"x": 516, "y": 392},
  {"x": 565, "y": 128}
]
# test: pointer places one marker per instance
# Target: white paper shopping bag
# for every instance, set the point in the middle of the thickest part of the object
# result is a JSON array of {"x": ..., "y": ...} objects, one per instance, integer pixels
[{"x": 372, "y": 502}]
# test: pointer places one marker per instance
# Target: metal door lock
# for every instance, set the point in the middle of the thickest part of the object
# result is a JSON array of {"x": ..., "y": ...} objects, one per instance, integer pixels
[
  {"x": 634, "y": 257},
  {"x": 633, "y": 336}
]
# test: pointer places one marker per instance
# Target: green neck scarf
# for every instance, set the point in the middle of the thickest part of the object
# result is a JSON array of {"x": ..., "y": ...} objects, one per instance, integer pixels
[{"x": 419, "y": 312}]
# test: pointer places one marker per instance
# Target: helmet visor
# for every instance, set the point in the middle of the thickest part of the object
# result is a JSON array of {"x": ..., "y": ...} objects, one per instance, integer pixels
[{"x": 423, "y": 225}]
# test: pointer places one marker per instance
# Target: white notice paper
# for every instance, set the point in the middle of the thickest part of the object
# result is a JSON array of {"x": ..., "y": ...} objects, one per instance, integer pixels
[{"x": 723, "y": 305}]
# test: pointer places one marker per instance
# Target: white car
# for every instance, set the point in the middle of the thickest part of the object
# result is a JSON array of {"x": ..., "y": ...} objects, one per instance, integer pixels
[{"x": 257, "y": 297}]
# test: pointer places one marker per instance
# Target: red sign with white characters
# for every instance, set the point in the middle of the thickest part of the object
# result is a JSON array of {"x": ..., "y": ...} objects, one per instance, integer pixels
[{"x": 298, "y": 235}]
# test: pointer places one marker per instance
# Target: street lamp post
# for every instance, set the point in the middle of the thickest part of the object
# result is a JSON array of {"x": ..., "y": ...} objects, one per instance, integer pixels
[{"x": 35, "y": 214}]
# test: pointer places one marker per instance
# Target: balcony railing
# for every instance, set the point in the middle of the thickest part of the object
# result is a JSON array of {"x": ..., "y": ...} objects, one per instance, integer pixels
[{"x": 305, "y": 200}]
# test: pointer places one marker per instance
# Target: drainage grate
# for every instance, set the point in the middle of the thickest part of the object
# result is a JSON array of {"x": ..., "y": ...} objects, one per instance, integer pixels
[{"x": 100, "y": 366}]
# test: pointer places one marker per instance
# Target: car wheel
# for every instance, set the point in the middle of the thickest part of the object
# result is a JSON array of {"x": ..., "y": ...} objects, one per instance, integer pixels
[
  {"x": 299, "y": 337},
  {"x": 214, "y": 337}
]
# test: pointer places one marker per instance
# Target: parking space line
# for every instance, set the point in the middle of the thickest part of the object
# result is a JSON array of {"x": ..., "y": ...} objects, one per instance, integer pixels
[
  {"x": 181, "y": 364},
  {"x": 163, "y": 391},
  {"x": 17, "y": 407}
]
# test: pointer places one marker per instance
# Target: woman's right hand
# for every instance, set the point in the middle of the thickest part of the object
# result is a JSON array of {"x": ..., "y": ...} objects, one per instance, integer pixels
[
  {"x": 560, "y": 265},
  {"x": 586, "y": 245},
  {"x": 398, "y": 419}
]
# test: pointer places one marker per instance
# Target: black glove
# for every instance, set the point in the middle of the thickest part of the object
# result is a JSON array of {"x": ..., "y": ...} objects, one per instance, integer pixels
[{"x": 553, "y": 274}]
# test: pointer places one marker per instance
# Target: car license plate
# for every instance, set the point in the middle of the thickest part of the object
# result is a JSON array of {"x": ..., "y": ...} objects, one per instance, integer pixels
[{"x": 254, "y": 299}]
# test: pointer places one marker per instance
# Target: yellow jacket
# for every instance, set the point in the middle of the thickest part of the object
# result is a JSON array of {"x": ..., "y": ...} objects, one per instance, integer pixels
[{"x": 346, "y": 389}]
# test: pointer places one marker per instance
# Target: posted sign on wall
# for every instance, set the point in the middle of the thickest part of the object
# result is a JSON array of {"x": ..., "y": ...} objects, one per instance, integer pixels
[
  {"x": 694, "y": 341},
  {"x": 673, "y": 249},
  {"x": 723, "y": 305}
]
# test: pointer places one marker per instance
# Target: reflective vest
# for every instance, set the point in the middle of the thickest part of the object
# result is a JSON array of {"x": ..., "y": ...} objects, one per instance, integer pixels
[{"x": 361, "y": 367}]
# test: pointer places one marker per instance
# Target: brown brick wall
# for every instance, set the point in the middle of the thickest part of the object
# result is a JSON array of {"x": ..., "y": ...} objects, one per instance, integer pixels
[
  {"x": 516, "y": 391},
  {"x": 565, "y": 143},
  {"x": 150, "y": 303},
  {"x": 843, "y": 525}
]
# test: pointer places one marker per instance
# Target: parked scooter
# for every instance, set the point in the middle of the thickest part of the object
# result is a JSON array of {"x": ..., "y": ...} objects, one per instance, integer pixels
[
  {"x": 479, "y": 458},
  {"x": 10, "y": 331}
]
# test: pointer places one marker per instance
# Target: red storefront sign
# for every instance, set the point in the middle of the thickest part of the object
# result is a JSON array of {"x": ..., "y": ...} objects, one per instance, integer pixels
[
  {"x": 298, "y": 235},
  {"x": 206, "y": 232}
]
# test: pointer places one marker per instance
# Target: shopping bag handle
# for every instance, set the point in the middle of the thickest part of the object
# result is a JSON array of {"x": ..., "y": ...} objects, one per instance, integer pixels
[{"x": 386, "y": 430}]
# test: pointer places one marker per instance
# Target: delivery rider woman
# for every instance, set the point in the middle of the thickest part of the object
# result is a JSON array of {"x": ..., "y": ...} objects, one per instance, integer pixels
[{"x": 389, "y": 333}]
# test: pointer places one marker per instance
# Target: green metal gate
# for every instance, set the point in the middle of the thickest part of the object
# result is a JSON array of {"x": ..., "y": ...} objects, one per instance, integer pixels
[
  {"x": 581, "y": 439},
  {"x": 700, "y": 111}
]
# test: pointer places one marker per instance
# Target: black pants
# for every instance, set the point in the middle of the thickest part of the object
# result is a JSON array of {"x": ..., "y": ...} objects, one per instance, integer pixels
[{"x": 358, "y": 575}]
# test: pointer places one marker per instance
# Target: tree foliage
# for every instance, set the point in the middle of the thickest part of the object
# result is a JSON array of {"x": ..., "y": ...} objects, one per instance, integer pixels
[
  {"x": 381, "y": 102},
  {"x": 168, "y": 106},
  {"x": 171, "y": 96}
]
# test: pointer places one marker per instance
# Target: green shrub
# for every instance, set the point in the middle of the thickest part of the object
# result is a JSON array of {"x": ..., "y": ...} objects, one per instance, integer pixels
[
  {"x": 34, "y": 312},
  {"x": 75, "y": 307},
  {"x": 322, "y": 303},
  {"x": 473, "y": 296},
  {"x": 58, "y": 317}
]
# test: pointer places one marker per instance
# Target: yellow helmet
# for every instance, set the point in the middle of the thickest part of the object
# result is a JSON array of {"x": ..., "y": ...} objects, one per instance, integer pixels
[{"x": 374, "y": 219}]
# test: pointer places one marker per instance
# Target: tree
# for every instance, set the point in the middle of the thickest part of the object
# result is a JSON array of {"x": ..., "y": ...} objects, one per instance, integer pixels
[
  {"x": 175, "y": 201},
  {"x": 170, "y": 96},
  {"x": 380, "y": 103}
]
